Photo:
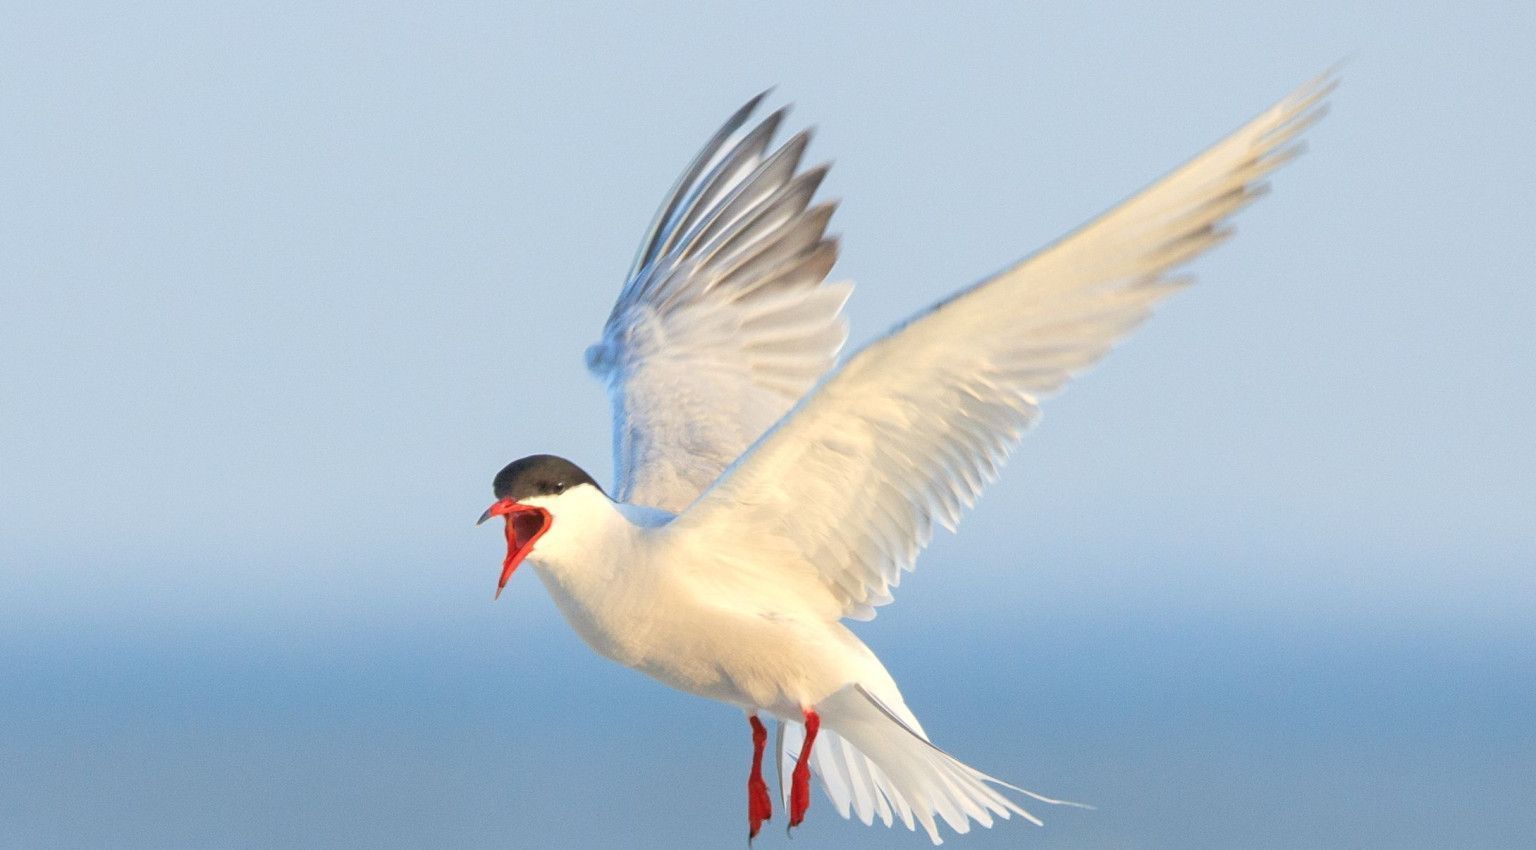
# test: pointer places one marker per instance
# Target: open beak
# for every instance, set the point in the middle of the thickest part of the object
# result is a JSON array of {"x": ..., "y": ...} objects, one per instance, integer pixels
[
  {"x": 501, "y": 508},
  {"x": 525, "y": 525}
]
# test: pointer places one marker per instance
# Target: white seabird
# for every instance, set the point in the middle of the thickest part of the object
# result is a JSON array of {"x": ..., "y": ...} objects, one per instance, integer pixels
[{"x": 763, "y": 496}]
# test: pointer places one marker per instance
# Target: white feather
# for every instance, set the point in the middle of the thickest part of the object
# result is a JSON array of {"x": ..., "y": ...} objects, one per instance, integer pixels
[{"x": 908, "y": 432}]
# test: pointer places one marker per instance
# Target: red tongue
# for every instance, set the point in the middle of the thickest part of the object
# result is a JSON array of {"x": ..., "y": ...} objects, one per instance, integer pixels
[
  {"x": 514, "y": 555},
  {"x": 523, "y": 528}
]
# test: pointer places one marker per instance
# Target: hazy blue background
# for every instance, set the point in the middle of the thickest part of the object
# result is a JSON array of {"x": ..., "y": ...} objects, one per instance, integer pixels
[{"x": 283, "y": 285}]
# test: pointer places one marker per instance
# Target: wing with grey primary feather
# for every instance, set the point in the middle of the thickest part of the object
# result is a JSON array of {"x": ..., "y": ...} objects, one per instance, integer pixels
[
  {"x": 845, "y": 490},
  {"x": 726, "y": 320}
]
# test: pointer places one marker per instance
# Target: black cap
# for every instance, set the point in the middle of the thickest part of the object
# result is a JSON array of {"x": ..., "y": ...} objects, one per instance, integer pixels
[{"x": 539, "y": 475}]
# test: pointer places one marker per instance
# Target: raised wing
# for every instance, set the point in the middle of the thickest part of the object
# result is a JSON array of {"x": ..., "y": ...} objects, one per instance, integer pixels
[
  {"x": 844, "y": 491},
  {"x": 726, "y": 320}
]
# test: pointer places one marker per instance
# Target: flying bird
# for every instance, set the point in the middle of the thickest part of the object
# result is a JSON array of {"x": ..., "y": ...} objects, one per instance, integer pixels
[{"x": 764, "y": 493}]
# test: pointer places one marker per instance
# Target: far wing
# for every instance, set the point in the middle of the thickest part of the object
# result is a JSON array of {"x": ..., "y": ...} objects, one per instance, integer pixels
[
  {"x": 847, "y": 487},
  {"x": 725, "y": 321}
]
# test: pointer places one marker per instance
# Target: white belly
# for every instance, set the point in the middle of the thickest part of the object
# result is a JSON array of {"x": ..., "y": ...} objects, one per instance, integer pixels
[{"x": 753, "y": 659}]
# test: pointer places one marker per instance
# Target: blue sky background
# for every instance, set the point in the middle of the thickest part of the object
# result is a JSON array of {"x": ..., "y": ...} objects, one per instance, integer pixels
[{"x": 283, "y": 285}]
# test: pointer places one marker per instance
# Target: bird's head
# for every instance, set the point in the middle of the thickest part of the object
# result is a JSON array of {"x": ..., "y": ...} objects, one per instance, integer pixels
[{"x": 531, "y": 493}]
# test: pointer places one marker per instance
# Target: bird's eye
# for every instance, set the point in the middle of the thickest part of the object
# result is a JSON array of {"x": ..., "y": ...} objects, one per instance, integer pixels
[{"x": 557, "y": 488}]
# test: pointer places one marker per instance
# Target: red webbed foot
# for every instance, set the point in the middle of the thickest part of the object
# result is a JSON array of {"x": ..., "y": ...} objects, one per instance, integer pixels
[
  {"x": 800, "y": 786},
  {"x": 759, "y": 804}
]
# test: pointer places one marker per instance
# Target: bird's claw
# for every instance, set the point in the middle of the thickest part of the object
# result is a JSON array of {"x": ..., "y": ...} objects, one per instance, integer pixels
[{"x": 759, "y": 809}]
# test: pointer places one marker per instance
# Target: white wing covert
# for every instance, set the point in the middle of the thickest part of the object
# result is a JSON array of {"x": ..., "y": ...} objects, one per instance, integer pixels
[
  {"x": 908, "y": 431},
  {"x": 725, "y": 321}
]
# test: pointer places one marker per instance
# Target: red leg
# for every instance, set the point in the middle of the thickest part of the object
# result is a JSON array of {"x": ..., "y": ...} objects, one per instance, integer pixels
[
  {"x": 800, "y": 788},
  {"x": 759, "y": 805}
]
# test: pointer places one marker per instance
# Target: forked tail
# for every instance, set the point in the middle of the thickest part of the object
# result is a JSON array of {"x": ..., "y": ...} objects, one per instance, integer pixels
[{"x": 872, "y": 763}]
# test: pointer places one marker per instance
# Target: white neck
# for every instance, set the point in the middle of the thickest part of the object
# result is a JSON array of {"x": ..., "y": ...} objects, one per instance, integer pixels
[
  {"x": 594, "y": 562},
  {"x": 586, "y": 528}
]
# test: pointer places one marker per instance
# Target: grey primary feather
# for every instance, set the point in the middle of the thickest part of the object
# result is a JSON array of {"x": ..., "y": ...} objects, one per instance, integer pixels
[
  {"x": 726, "y": 319},
  {"x": 654, "y": 233}
]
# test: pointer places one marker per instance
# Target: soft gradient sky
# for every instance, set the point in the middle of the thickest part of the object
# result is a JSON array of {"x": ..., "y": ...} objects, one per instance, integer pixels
[{"x": 282, "y": 285}]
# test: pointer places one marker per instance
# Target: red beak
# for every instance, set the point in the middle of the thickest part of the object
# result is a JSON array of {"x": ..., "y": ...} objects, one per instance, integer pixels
[{"x": 525, "y": 525}]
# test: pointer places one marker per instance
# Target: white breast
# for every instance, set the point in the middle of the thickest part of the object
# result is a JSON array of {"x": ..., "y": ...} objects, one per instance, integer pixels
[{"x": 637, "y": 597}]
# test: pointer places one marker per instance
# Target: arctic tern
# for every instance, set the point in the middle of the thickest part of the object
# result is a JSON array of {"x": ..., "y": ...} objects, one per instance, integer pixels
[{"x": 764, "y": 494}]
